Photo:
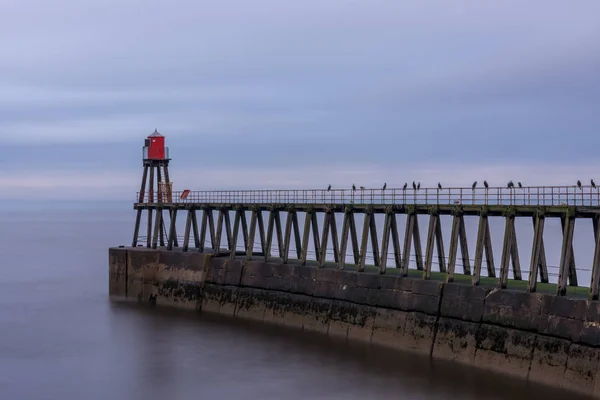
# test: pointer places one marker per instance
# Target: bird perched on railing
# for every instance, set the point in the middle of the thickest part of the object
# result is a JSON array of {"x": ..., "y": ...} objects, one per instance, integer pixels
[
  {"x": 510, "y": 185},
  {"x": 520, "y": 186},
  {"x": 414, "y": 185},
  {"x": 418, "y": 185},
  {"x": 328, "y": 188},
  {"x": 593, "y": 183},
  {"x": 353, "y": 186},
  {"x": 474, "y": 185},
  {"x": 362, "y": 188},
  {"x": 485, "y": 185},
  {"x": 439, "y": 186},
  {"x": 405, "y": 185},
  {"x": 579, "y": 184},
  {"x": 384, "y": 186}
]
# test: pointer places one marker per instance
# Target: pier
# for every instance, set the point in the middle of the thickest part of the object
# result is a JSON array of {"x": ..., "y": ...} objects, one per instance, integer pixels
[{"x": 351, "y": 262}]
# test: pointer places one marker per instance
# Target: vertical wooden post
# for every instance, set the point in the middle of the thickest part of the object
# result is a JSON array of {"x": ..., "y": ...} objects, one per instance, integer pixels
[
  {"x": 261, "y": 230},
  {"x": 219, "y": 234},
  {"x": 595, "y": 281},
  {"x": 278, "y": 230},
  {"x": 479, "y": 246},
  {"x": 417, "y": 242},
  {"x": 453, "y": 247},
  {"x": 157, "y": 224},
  {"x": 188, "y": 229},
  {"x": 354, "y": 238},
  {"x": 334, "y": 237},
  {"x": 506, "y": 250},
  {"x": 395, "y": 240},
  {"x": 236, "y": 231},
  {"x": 211, "y": 229},
  {"x": 203, "y": 228},
  {"x": 374, "y": 240},
  {"x": 387, "y": 224},
  {"x": 172, "y": 231},
  {"x": 542, "y": 266},
  {"x": 315, "y": 235},
  {"x": 324, "y": 238},
  {"x": 270, "y": 226},
  {"x": 251, "y": 235},
  {"x": 296, "y": 227},
  {"x": 489, "y": 254},
  {"x": 538, "y": 234},
  {"x": 150, "y": 210},
  {"x": 195, "y": 229},
  {"x": 344, "y": 240},
  {"x": 464, "y": 248},
  {"x": 433, "y": 221},
  {"x": 566, "y": 254},
  {"x": 439, "y": 244},
  {"x": 514, "y": 252},
  {"x": 408, "y": 236},
  {"x": 136, "y": 229},
  {"x": 364, "y": 241},
  {"x": 572, "y": 270},
  {"x": 305, "y": 237}
]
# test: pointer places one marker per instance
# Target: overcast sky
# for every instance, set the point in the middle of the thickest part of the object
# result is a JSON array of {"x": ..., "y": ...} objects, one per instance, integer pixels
[{"x": 297, "y": 94}]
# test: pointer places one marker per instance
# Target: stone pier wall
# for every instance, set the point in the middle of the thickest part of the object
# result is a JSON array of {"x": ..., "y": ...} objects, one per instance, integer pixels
[{"x": 543, "y": 338}]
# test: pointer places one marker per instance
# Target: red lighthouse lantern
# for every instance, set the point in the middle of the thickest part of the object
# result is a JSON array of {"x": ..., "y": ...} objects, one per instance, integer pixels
[{"x": 154, "y": 147}]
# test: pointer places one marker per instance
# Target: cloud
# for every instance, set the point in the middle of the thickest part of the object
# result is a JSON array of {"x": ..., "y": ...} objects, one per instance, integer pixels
[{"x": 272, "y": 86}]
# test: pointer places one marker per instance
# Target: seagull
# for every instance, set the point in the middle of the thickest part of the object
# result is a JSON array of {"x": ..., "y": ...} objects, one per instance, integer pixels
[
  {"x": 474, "y": 185},
  {"x": 485, "y": 184},
  {"x": 384, "y": 186},
  {"x": 593, "y": 183},
  {"x": 418, "y": 185},
  {"x": 520, "y": 186},
  {"x": 579, "y": 184},
  {"x": 414, "y": 185},
  {"x": 328, "y": 188},
  {"x": 353, "y": 187},
  {"x": 439, "y": 186},
  {"x": 510, "y": 184}
]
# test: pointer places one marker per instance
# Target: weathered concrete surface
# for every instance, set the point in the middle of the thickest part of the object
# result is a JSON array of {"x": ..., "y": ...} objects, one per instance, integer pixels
[{"x": 543, "y": 338}]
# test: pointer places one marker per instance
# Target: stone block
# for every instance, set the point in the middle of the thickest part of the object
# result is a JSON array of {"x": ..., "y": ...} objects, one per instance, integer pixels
[
  {"x": 117, "y": 263},
  {"x": 328, "y": 275},
  {"x": 512, "y": 309},
  {"x": 251, "y": 304},
  {"x": 582, "y": 364},
  {"x": 419, "y": 332},
  {"x": 295, "y": 310},
  {"x": 549, "y": 360},
  {"x": 463, "y": 302},
  {"x": 388, "y": 281},
  {"x": 361, "y": 328},
  {"x": 235, "y": 271},
  {"x": 566, "y": 328},
  {"x": 316, "y": 318},
  {"x": 504, "y": 350},
  {"x": 455, "y": 340},
  {"x": 368, "y": 280},
  {"x": 388, "y": 328},
  {"x": 275, "y": 308}
]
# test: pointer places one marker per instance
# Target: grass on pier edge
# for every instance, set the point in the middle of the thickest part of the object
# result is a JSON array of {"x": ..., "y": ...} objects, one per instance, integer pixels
[{"x": 460, "y": 278}]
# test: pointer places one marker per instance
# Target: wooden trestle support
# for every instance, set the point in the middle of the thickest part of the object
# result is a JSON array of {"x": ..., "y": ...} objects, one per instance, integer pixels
[{"x": 282, "y": 235}]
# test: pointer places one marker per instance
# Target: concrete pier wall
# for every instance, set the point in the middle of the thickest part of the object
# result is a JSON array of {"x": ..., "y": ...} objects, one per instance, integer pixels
[{"x": 542, "y": 338}]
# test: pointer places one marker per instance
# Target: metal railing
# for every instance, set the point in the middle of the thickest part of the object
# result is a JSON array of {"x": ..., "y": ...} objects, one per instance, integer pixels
[{"x": 527, "y": 195}]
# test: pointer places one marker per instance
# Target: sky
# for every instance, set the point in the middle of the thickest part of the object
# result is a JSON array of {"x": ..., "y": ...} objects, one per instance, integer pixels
[{"x": 272, "y": 94}]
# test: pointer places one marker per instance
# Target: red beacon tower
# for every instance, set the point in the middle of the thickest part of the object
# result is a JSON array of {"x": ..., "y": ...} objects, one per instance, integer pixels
[
  {"x": 154, "y": 147},
  {"x": 155, "y": 190}
]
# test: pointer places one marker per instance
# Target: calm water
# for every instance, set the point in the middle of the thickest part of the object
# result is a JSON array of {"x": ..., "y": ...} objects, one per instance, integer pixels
[{"x": 61, "y": 337}]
